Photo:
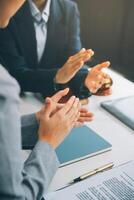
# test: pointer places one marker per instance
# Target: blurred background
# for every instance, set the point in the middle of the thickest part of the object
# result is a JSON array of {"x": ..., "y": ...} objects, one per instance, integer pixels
[{"x": 107, "y": 26}]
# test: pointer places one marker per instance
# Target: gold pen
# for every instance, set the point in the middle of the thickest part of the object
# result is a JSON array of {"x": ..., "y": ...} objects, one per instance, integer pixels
[{"x": 91, "y": 173}]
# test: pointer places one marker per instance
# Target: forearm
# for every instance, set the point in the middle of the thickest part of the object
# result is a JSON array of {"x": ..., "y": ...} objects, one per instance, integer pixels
[
  {"x": 10, "y": 174},
  {"x": 36, "y": 80},
  {"x": 18, "y": 180},
  {"x": 31, "y": 80},
  {"x": 39, "y": 170}
]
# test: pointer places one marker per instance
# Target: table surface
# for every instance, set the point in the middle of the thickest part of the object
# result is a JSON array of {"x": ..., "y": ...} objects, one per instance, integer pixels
[{"x": 119, "y": 135}]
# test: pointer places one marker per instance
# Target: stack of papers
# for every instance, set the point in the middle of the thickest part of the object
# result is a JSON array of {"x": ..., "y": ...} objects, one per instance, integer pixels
[{"x": 115, "y": 184}]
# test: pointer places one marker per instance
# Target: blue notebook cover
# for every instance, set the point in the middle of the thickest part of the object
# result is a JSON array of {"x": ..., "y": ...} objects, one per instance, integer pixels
[{"x": 81, "y": 143}]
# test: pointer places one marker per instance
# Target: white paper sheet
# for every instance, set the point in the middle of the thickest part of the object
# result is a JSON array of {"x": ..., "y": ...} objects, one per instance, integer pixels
[{"x": 115, "y": 184}]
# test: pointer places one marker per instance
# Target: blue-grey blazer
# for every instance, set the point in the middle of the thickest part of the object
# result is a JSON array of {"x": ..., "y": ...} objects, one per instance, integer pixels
[{"x": 18, "y": 180}]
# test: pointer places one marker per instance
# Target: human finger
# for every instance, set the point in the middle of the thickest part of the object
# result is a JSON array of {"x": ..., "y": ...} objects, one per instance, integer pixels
[
  {"x": 83, "y": 50},
  {"x": 85, "y": 119},
  {"x": 86, "y": 114},
  {"x": 106, "y": 92},
  {"x": 59, "y": 95},
  {"x": 99, "y": 79},
  {"x": 101, "y": 66},
  {"x": 76, "y": 67},
  {"x": 85, "y": 110},
  {"x": 95, "y": 87},
  {"x": 83, "y": 56},
  {"x": 74, "y": 111},
  {"x": 66, "y": 108},
  {"x": 48, "y": 107},
  {"x": 78, "y": 124}
]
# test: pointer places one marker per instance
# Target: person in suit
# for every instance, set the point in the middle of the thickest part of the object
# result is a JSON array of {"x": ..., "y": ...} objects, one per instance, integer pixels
[
  {"x": 41, "y": 48},
  {"x": 42, "y": 131}
]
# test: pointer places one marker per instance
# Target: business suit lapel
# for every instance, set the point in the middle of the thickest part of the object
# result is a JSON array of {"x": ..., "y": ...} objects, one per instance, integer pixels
[
  {"x": 26, "y": 32},
  {"x": 53, "y": 28}
]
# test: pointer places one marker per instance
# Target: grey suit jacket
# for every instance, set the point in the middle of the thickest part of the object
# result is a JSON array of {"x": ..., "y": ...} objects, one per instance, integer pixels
[{"x": 18, "y": 180}]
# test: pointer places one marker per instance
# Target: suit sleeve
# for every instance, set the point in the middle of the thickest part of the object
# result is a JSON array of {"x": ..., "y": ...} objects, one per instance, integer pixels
[
  {"x": 29, "y": 131},
  {"x": 18, "y": 180},
  {"x": 29, "y": 79}
]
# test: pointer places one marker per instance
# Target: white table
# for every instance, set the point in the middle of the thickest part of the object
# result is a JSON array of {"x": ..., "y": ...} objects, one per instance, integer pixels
[{"x": 119, "y": 135}]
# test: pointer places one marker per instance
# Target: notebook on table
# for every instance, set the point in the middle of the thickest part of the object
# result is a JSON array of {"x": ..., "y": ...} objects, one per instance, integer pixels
[
  {"x": 81, "y": 143},
  {"x": 122, "y": 108}
]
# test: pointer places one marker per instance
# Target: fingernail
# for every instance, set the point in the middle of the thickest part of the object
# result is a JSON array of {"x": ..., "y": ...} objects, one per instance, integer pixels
[
  {"x": 73, "y": 97},
  {"x": 91, "y": 52},
  {"x": 67, "y": 89},
  {"x": 108, "y": 63},
  {"x": 47, "y": 100},
  {"x": 83, "y": 49}
]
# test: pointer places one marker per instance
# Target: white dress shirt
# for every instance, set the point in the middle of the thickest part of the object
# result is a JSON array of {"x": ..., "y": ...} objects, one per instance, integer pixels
[{"x": 40, "y": 24}]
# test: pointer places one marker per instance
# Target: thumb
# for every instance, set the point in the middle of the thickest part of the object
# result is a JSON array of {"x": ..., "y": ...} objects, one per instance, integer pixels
[
  {"x": 101, "y": 66},
  {"x": 48, "y": 107}
]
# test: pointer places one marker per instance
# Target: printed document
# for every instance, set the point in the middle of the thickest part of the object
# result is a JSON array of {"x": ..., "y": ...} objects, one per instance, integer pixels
[{"x": 114, "y": 184}]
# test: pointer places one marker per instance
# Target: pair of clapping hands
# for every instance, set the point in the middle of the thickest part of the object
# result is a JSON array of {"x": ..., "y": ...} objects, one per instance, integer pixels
[
  {"x": 95, "y": 79},
  {"x": 56, "y": 119}
]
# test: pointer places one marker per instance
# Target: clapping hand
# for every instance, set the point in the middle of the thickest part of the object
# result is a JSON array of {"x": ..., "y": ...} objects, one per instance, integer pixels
[
  {"x": 96, "y": 77},
  {"x": 56, "y": 120}
]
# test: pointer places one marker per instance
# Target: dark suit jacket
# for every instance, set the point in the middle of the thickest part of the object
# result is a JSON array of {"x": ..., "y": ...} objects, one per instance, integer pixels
[{"x": 18, "y": 48}]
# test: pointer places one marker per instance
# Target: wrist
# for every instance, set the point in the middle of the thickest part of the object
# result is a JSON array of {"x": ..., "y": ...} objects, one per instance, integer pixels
[
  {"x": 58, "y": 86},
  {"x": 37, "y": 115},
  {"x": 50, "y": 141},
  {"x": 57, "y": 77},
  {"x": 86, "y": 83},
  {"x": 61, "y": 76},
  {"x": 89, "y": 84}
]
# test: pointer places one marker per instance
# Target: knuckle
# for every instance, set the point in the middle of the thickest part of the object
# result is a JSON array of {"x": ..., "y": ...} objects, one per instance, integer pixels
[
  {"x": 73, "y": 109},
  {"x": 59, "y": 115},
  {"x": 99, "y": 76},
  {"x": 69, "y": 103},
  {"x": 68, "y": 124},
  {"x": 70, "y": 58}
]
